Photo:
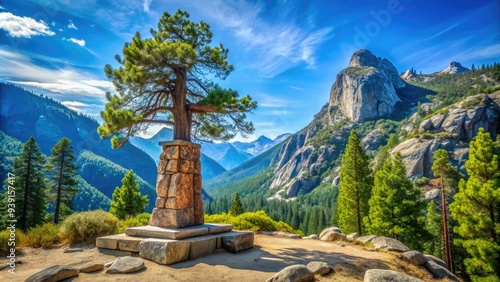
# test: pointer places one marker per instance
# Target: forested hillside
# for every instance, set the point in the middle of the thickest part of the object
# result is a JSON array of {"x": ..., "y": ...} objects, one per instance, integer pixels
[{"x": 25, "y": 114}]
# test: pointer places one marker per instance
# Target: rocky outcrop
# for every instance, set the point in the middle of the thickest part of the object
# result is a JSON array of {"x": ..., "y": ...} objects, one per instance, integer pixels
[
  {"x": 126, "y": 265},
  {"x": 413, "y": 257},
  {"x": 389, "y": 244},
  {"x": 53, "y": 274},
  {"x": 452, "y": 129},
  {"x": 438, "y": 271},
  {"x": 382, "y": 275},
  {"x": 296, "y": 273},
  {"x": 367, "y": 88},
  {"x": 454, "y": 68},
  {"x": 366, "y": 239},
  {"x": 319, "y": 267},
  {"x": 408, "y": 75},
  {"x": 417, "y": 156}
]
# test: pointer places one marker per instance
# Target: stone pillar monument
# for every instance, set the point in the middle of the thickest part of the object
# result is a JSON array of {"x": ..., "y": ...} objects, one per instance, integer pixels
[{"x": 178, "y": 186}]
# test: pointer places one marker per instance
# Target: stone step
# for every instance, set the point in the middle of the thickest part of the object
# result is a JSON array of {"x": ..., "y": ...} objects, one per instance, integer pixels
[
  {"x": 170, "y": 251},
  {"x": 177, "y": 233}
]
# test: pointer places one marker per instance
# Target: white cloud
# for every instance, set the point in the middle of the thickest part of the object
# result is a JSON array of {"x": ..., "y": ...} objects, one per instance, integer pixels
[
  {"x": 270, "y": 101},
  {"x": 146, "y": 5},
  {"x": 65, "y": 86},
  {"x": 19, "y": 69},
  {"x": 72, "y": 25},
  {"x": 73, "y": 104},
  {"x": 277, "y": 45},
  {"x": 2, "y": 7},
  {"x": 80, "y": 42},
  {"x": 23, "y": 26}
]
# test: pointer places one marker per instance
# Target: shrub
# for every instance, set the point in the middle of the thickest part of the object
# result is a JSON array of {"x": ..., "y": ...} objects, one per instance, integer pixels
[
  {"x": 4, "y": 241},
  {"x": 255, "y": 221},
  {"x": 87, "y": 226},
  {"x": 419, "y": 182},
  {"x": 138, "y": 220},
  {"x": 43, "y": 236}
]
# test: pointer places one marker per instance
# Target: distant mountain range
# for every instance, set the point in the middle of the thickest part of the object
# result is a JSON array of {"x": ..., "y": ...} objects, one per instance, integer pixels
[
  {"x": 216, "y": 157},
  {"x": 426, "y": 111}
]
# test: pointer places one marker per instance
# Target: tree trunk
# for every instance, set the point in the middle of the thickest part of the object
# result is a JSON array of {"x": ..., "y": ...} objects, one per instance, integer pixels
[
  {"x": 26, "y": 190},
  {"x": 182, "y": 117},
  {"x": 59, "y": 188},
  {"x": 447, "y": 249}
]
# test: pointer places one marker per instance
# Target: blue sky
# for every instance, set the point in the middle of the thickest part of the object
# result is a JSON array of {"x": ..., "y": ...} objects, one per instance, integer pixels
[{"x": 286, "y": 53}]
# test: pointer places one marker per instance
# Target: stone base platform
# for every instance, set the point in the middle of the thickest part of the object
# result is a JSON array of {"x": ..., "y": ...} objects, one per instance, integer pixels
[
  {"x": 178, "y": 233},
  {"x": 168, "y": 246}
]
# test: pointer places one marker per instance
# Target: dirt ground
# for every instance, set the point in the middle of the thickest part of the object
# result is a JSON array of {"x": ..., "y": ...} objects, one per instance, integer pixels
[{"x": 269, "y": 256}]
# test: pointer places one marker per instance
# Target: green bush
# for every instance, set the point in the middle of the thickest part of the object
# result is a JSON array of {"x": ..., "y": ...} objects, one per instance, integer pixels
[
  {"x": 43, "y": 236},
  {"x": 138, "y": 220},
  {"x": 87, "y": 226},
  {"x": 419, "y": 182},
  {"x": 255, "y": 221},
  {"x": 4, "y": 241}
]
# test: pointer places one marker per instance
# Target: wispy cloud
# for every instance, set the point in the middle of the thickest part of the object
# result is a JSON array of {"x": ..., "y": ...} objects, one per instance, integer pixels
[
  {"x": 146, "y": 4},
  {"x": 2, "y": 7},
  {"x": 270, "y": 101},
  {"x": 80, "y": 42},
  {"x": 72, "y": 25},
  {"x": 443, "y": 31},
  {"x": 19, "y": 69},
  {"x": 23, "y": 26},
  {"x": 277, "y": 45}
]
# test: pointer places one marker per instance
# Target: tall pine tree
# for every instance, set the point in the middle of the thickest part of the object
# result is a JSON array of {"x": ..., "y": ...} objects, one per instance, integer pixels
[
  {"x": 434, "y": 225},
  {"x": 29, "y": 186},
  {"x": 63, "y": 184},
  {"x": 442, "y": 169},
  {"x": 355, "y": 187},
  {"x": 237, "y": 207},
  {"x": 476, "y": 208},
  {"x": 127, "y": 201},
  {"x": 396, "y": 207}
]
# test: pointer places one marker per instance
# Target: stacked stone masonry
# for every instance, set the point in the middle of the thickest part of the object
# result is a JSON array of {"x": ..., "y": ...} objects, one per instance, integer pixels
[{"x": 178, "y": 186}]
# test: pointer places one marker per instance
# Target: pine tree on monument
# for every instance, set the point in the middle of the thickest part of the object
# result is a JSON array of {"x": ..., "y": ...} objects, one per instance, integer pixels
[
  {"x": 355, "y": 187},
  {"x": 165, "y": 80}
]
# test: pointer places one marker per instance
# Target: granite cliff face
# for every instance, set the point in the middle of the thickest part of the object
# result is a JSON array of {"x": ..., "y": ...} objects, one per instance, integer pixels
[
  {"x": 451, "y": 129},
  {"x": 367, "y": 89}
]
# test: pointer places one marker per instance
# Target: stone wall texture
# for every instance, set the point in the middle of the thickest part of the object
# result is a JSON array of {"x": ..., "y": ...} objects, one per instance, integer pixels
[{"x": 178, "y": 186}]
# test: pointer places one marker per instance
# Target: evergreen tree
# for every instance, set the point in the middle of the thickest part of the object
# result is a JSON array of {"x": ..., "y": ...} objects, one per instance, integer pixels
[
  {"x": 442, "y": 168},
  {"x": 476, "y": 208},
  {"x": 396, "y": 207},
  {"x": 237, "y": 207},
  {"x": 383, "y": 152},
  {"x": 127, "y": 200},
  {"x": 29, "y": 186},
  {"x": 62, "y": 181},
  {"x": 434, "y": 225},
  {"x": 355, "y": 187}
]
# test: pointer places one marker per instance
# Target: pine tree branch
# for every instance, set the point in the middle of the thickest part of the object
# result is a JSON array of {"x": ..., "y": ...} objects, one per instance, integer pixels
[
  {"x": 194, "y": 108},
  {"x": 156, "y": 121}
]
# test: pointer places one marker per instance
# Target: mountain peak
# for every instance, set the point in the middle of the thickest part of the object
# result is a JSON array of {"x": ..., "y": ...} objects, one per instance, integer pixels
[
  {"x": 367, "y": 88},
  {"x": 454, "y": 68},
  {"x": 363, "y": 58},
  {"x": 263, "y": 138}
]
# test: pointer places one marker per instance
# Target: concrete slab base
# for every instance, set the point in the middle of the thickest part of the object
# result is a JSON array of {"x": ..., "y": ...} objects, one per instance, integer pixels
[{"x": 168, "y": 246}]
